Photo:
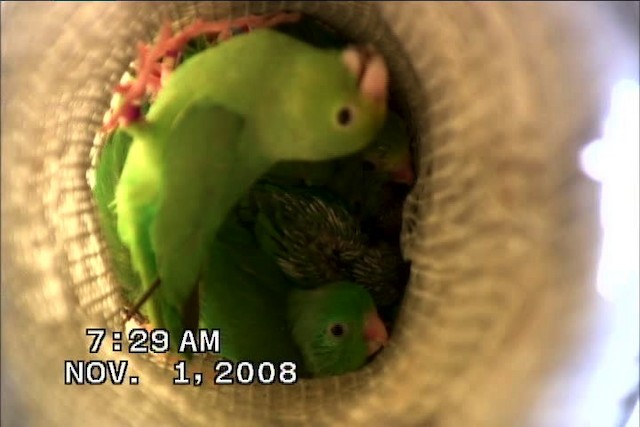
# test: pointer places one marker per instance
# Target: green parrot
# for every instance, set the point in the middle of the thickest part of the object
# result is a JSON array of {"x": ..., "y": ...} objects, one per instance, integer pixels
[
  {"x": 315, "y": 239},
  {"x": 330, "y": 330},
  {"x": 223, "y": 119}
]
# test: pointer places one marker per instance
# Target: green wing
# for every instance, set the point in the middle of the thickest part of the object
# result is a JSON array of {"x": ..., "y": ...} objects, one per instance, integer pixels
[
  {"x": 243, "y": 294},
  {"x": 196, "y": 178}
]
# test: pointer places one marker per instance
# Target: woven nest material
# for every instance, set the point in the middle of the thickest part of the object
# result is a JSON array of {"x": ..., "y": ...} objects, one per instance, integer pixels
[{"x": 501, "y": 226}]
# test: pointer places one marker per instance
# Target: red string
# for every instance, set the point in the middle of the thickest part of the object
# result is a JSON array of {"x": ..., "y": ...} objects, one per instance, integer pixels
[{"x": 156, "y": 62}]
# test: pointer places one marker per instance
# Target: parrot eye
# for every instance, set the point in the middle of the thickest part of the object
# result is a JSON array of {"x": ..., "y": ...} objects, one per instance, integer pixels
[
  {"x": 337, "y": 330},
  {"x": 345, "y": 116}
]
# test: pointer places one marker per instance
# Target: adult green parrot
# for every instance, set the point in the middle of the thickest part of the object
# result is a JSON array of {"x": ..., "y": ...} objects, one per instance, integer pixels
[
  {"x": 315, "y": 239},
  {"x": 223, "y": 119},
  {"x": 330, "y": 330}
]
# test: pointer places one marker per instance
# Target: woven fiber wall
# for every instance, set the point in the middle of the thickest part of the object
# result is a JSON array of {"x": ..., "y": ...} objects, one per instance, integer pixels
[{"x": 501, "y": 226}]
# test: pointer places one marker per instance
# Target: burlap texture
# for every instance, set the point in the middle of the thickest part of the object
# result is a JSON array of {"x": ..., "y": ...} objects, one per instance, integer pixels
[{"x": 501, "y": 227}]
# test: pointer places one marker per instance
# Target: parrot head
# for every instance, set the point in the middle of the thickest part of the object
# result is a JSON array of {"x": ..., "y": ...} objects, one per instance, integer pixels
[
  {"x": 336, "y": 327},
  {"x": 390, "y": 151},
  {"x": 336, "y": 104}
]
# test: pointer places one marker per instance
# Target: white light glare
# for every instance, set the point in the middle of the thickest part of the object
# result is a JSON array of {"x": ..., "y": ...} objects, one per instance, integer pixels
[{"x": 613, "y": 161}]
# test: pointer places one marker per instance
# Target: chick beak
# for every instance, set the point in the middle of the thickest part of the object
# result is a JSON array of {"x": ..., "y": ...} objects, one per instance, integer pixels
[
  {"x": 375, "y": 333},
  {"x": 371, "y": 71},
  {"x": 404, "y": 174}
]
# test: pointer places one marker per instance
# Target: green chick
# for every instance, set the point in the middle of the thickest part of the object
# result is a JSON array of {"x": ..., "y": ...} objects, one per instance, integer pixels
[
  {"x": 315, "y": 239},
  {"x": 327, "y": 331},
  {"x": 223, "y": 119}
]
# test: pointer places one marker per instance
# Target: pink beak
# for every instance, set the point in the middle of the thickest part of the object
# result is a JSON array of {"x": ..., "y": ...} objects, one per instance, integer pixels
[
  {"x": 404, "y": 174},
  {"x": 375, "y": 333},
  {"x": 370, "y": 69}
]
